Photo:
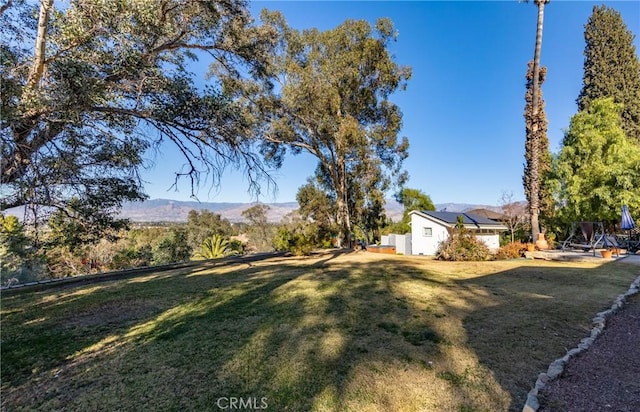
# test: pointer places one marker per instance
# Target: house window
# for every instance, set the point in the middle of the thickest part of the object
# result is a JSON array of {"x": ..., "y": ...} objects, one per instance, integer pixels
[{"x": 427, "y": 231}]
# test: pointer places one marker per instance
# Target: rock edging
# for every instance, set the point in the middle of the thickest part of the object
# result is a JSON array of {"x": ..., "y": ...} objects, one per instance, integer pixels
[{"x": 557, "y": 366}]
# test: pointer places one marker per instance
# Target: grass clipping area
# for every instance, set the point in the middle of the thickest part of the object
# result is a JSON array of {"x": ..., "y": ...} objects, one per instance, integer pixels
[{"x": 330, "y": 332}]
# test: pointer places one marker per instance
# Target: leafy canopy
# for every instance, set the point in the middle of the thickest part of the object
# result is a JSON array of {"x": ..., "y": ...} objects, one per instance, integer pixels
[
  {"x": 598, "y": 168},
  {"x": 88, "y": 89},
  {"x": 332, "y": 102},
  {"x": 414, "y": 199},
  {"x": 205, "y": 224},
  {"x": 259, "y": 230}
]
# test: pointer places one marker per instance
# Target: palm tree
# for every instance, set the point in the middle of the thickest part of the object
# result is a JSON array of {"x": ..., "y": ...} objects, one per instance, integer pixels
[
  {"x": 214, "y": 247},
  {"x": 534, "y": 203}
]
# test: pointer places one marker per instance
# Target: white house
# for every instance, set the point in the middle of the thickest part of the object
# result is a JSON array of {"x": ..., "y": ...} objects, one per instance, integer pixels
[{"x": 428, "y": 229}]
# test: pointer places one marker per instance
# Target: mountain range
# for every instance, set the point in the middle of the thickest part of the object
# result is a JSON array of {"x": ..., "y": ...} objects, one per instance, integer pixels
[{"x": 166, "y": 210}]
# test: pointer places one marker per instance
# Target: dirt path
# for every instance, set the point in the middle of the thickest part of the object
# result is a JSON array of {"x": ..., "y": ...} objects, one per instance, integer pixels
[{"x": 606, "y": 377}]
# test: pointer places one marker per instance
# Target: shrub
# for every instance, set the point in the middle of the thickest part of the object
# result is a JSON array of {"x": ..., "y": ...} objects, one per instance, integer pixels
[
  {"x": 551, "y": 240},
  {"x": 511, "y": 250},
  {"x": 462, "y": 245},
  {"x": 131, "y": 257},
  {"x": 300, "y": 240},
  {"x": 237, "y": 247},
  {"x": 214, "y": 247}
]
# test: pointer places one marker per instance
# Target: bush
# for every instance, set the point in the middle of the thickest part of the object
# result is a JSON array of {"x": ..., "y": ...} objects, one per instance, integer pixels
[
  {"x": 297, "y": 241},
  {"x": 462, "y": 246},
  {"x": 511, "y": 250},
  {"x": 551, "y": 240},
  {"x": 131, "y": 257}
]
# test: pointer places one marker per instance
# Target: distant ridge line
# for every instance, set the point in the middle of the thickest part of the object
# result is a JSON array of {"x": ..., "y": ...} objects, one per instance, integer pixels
[
  {"x": 177, "y": 211},
  {"x": 167, "y": 210}
]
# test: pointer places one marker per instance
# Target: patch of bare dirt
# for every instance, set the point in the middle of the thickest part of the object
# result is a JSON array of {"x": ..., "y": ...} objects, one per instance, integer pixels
[{"x": 605, "y": 377}]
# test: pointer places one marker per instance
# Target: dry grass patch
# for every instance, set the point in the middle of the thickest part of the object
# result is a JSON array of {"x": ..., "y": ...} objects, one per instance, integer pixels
[{"x": 329, "y": 332}]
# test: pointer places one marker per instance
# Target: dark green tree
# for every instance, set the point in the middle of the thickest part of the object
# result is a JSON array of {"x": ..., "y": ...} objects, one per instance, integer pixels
[
  {"x": 413, "y": 199},
  {"x": 83, "y": 222},
  {"x": 14, "y": 248},
  {"x": 316, "y": 204},
  {"x": 87, "y": 89},
  {"x": 259, "y": 230},
  {"x": 611, "y": 67},
  {"x": 203, "y": 225},
  {"x": 370, "y": 215},
  {"x": 537, "y": 145},
  {"x": 333, "y": 102},
  {"x": 172, "y": 248},
  {"x": 598, "y": 168},
  {"x": 298, "y": 236}
]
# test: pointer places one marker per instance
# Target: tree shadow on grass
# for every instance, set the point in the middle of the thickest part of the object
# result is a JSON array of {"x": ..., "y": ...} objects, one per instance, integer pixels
[
  {"x": 536, "y": 314},
  {"x": 58, "y": 322},
  {"x": 292, "y": 333},
  {"x": 322, "y": 333}
]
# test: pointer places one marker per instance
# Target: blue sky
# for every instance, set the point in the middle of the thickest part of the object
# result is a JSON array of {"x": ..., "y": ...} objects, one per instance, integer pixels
[{"x": 462, "y": 110}]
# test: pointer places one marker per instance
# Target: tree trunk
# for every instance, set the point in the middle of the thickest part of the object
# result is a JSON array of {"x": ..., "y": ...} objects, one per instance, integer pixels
[
  {"x": 13, "y": 164},
  {"x": 342, "y": 218},
  {"x": 37, "y": 69},
  {"x": 343, "y": 221},
  {"x": 534, "y": 203},
  {"x": 5, "y": 6}
]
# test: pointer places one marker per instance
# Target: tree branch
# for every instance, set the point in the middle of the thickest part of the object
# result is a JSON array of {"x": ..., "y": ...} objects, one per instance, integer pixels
[
  {"x": 37, "y": 69},
  {"x": 4, "y": 7}
]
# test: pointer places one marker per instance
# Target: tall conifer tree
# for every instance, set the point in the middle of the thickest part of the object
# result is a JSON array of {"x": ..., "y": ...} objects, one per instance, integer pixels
[{"x": 611, "y": 67}]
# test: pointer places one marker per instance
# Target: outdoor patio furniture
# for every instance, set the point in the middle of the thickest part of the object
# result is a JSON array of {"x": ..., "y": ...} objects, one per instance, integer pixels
[
  {"x": 630, "y": 240},
  {"x": 586, "y": 236}
]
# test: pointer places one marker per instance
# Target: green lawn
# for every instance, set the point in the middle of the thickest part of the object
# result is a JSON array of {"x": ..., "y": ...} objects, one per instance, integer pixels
[{"x": 357, "y": 331}]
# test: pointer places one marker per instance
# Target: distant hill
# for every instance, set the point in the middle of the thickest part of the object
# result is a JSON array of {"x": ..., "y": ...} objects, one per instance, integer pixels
[
  {"x": 464, "y": 207},
  {"x": 166, "y": 210}
]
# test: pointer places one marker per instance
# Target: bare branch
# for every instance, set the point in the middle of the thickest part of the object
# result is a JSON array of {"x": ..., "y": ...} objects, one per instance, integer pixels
[{"x": 5, "y": 6}]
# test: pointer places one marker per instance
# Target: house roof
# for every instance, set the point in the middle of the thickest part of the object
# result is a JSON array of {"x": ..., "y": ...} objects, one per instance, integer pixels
[
  {"x": 488, "y": 213},
  {"x": 470, "y": 220}
]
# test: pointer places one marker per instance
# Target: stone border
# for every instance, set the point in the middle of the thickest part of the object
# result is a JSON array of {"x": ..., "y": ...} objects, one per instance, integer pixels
[{"x": 557, "y": 366}]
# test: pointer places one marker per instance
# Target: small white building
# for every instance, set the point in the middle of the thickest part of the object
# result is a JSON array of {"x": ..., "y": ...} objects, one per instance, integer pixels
[
  {"x": 402, "y": 243},
  {"x": 428, "y": 229}
]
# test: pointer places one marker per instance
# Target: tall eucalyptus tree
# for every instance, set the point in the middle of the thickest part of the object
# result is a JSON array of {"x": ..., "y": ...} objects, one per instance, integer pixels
[
  {"x": 332, "y": 102},
  {"x": 87, "y": 89}
]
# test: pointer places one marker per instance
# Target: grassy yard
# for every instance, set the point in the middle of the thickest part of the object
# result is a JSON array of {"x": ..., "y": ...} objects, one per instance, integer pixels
[{"x": 331, "y": 332}]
